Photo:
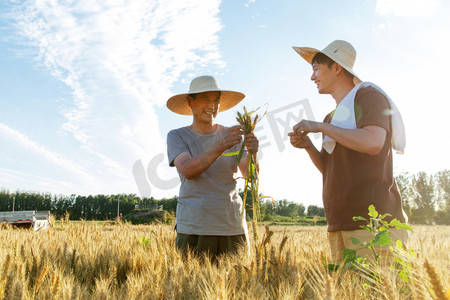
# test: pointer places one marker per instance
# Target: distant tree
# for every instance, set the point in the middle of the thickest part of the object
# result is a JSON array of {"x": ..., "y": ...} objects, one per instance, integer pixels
[
  {"x": 424, "y": 198},
  {"x": 301, "y": 209},
  {"x": 404, "y": 185},
  {"x": 270, "y": 207},
  {"x": 314, "y": 210},
  {"x": 61, "y": 204},
  {"x": 283, "y": 209},
  {"x": 5, "y": 200},
  {"x": 148, "y": 203},
  {"x": 443, "y": 188},
  {"x": 267, "y": 210},
  {"x": 443, "y": 192},
  {"x": 169, "y": 204},
  {"x": 289, "y": 208}
]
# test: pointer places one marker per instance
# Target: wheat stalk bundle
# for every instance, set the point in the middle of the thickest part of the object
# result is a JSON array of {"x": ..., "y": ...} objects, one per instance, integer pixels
[{"x": 251, "y": 179}]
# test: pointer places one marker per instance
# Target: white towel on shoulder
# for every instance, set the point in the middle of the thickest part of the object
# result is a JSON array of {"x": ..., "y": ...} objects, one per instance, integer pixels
[{"x": 344, "y": 117}]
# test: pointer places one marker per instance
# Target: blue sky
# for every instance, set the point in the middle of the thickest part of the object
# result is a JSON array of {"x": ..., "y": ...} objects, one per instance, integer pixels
[{"x": 84, "y": 84}]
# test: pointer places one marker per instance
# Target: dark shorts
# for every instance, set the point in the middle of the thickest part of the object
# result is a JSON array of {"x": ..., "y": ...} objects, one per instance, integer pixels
[{"x": 213, "y": 245}]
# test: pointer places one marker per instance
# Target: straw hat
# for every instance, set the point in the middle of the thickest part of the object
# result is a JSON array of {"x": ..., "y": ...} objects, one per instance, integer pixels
[
  {"x": 228, "y": 99},
  {"x": 341, "y": 52}
]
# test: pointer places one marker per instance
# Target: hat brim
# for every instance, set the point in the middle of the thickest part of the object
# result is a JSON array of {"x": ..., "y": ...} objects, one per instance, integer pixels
[
  {"x": 228, "y": 99},
  {"x": 308, "y": 54}
]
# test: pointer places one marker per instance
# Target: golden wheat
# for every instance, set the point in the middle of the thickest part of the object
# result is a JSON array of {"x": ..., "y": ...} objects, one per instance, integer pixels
[
  {"x": 109, "y": 262},
  {"x": 435, "y": 281}
]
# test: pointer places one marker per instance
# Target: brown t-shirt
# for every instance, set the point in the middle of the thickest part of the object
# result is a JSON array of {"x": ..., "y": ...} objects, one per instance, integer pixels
[{"x": 352, "y": 180}]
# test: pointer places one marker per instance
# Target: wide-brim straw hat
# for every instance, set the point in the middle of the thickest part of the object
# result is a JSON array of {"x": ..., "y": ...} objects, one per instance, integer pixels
[
  {"x": 228, "y": 99},
  {"x": 340, "y": 51}
]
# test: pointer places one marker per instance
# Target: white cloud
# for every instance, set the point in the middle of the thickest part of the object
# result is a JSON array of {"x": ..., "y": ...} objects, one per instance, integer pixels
[
  {"x": 407, "y": 8},
  {"x": 383, "y": 26},
  {"x": 12, "y": 180},
  {"x": 120, "y": 59},
  {"x": 56, "y": 159}
]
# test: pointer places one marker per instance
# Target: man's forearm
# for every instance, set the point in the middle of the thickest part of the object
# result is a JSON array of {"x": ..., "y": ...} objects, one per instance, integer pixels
[
  {"x": 315, "y": 156},
  {"x": 368, "y": 139},
  {"x": 194, "y": 166}
]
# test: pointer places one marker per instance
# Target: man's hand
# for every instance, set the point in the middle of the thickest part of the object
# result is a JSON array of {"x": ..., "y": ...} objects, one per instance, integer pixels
[
  {"x": 299, "y": 140},
  {"x": 232, "y": 137},
  {"x": 298, "y": 136},
  {"x": 251, "y": 143},
  {"x": 305, "y": 126}
]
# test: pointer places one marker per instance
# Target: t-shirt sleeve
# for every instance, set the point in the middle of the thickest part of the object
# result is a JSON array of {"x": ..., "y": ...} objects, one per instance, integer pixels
[
  {"x": 372, "y": 108},
  {"x": 175, "y": 146}
]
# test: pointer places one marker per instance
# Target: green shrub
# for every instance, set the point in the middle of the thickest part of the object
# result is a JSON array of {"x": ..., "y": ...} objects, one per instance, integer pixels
[{"x": 149, "y": 217}]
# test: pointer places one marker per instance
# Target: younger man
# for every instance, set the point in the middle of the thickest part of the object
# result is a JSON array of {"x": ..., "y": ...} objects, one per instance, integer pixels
[{"x": 356, "y": 154}]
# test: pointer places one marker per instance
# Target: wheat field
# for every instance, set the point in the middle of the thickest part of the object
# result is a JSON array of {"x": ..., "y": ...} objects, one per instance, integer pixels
[{"x": 109, "y": 262}]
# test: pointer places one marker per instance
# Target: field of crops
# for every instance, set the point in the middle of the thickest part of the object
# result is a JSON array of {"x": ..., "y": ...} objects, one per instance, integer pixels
[{"x": 109, "y": 262}]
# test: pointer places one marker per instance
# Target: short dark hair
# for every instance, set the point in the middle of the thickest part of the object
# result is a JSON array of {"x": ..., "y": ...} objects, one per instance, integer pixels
[{"x": 321, "y": 58}]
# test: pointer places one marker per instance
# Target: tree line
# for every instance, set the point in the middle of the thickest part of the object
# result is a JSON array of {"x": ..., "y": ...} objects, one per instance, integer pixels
[
  {"x": 426, "y": 200},
  {"x": 98, "y": 207},
  {"x": 426, "y": 197},
  {"x": 107, "y": 207},
  {"x": 269, "y": 209}
]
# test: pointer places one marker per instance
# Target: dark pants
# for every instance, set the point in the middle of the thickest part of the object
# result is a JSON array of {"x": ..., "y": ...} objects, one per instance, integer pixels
[{"x": 213, "y": 245}]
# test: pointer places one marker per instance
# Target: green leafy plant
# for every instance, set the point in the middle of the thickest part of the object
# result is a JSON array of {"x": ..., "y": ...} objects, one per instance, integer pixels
[
  {"x": 379, "y": 230},
  {"x": 145, "y": 241}
]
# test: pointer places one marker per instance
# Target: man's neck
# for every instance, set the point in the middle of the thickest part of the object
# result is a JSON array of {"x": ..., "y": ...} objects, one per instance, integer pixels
[
  {"x": 342, "y": 90},
  {"x": 203, "y": 128}
]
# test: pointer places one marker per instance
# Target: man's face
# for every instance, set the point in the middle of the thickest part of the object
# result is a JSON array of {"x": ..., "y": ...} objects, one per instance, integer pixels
[
  {"x": 323, "y": 77},
  {"x": 205, "y": 106}
]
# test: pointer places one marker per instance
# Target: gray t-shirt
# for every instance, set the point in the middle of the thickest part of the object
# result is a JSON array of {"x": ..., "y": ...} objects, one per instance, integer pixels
[{"x": 208, "y": 204}]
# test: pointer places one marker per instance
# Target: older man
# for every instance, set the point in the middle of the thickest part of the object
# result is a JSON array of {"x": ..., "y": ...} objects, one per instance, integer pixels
[{"x": 209, "y": 209}]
